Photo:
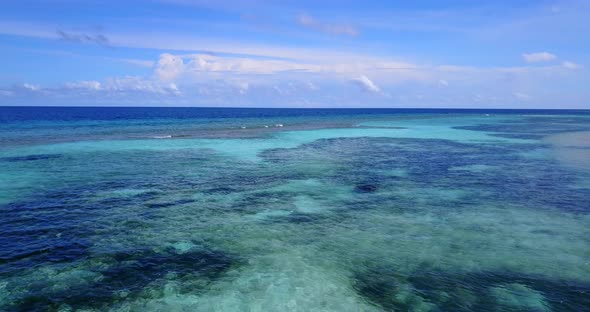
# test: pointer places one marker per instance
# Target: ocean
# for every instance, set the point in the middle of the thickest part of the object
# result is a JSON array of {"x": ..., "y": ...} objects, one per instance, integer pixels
[{"x": 227, "y": 209}]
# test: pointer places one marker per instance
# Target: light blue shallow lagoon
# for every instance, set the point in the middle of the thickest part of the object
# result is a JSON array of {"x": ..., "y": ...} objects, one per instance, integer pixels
[{"x": 174, "y": 209}]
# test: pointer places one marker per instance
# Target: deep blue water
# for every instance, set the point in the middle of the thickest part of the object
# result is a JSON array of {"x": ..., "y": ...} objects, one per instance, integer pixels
[
  {"x": 19, "y": 114},
  {"x": 206, "y": 209}
]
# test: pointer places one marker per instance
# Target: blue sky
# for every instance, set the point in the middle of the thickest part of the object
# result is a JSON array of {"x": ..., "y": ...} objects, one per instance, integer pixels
[{"x": 480, "y": 54}]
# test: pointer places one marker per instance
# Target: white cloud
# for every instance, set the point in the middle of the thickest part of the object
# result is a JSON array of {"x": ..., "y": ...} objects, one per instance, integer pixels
[
  {"x": 138, "y": 84},
  {"x": 217, "y": 77},
  {"x": 210, "y": 63},
  {"x": 169, "y": 67},
  {"x": 203, "y": 67},
  {"x": 366, "y": 84},
  {"x": 172, "y": 87},
  {"x": 243, "y": 87},
  {"x": 571, "y": 65},
  {"x": 31, "y": 87},
  {"x": 84, "y": 84},
  {"x": 538, "y": 57},
  {"x": 119, "y": 85},
  {"x": 308, "y": 21},
  {"x": 522, "y": 96},
  {"x": 311, "y": 86},
  {"x": 228, "y": 80}
]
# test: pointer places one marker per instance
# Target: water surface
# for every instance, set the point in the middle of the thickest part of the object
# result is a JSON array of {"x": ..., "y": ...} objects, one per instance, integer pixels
[{"x": 150, "y": 209}]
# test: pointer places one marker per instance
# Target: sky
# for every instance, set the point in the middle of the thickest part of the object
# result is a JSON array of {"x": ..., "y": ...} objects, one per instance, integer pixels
[{"x": 256, "y": 53}]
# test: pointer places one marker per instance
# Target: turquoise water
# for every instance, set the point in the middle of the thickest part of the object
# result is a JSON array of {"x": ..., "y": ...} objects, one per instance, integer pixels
[{"x": 294, "y": 210}]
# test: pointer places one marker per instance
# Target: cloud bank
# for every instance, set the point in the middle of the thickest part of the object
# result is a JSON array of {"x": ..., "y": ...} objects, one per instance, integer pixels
[{"x": 538, "y": 57}]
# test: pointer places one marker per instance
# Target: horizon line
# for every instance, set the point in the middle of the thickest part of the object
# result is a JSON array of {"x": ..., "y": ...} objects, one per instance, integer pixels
[{"x": 306, "y": 108}]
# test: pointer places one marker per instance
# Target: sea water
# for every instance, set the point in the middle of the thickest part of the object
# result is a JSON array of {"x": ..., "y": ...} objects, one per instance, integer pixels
[{"x": 195, "y": 209}]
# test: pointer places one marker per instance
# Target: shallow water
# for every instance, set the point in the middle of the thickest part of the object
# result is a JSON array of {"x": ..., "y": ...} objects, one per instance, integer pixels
[{"x": 335, "y": 210}]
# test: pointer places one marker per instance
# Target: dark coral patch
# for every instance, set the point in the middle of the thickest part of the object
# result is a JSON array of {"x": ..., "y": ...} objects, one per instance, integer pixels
[
  {"x": 16, "y": 256},
  {"x": 221, "y": 190},
  {"x": 129, "y": 273},
  {"x": 366, "y": 188},
  {"x": 170, "y": 204},
  {"x": 450, "y": 291},
  {"x": 30, "y": 157}
]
